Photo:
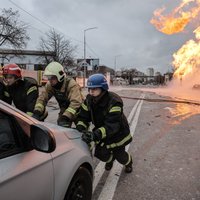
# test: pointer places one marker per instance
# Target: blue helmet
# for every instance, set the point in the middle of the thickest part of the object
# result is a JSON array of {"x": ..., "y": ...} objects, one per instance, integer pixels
[{"x": 97, "y": 81}]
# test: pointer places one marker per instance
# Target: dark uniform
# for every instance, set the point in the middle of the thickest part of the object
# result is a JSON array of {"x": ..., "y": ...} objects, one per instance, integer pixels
[
  {"x": 23, "y": 94},
  {"x": 1, "y": 89},
  {"x": 106, "y": 113}
]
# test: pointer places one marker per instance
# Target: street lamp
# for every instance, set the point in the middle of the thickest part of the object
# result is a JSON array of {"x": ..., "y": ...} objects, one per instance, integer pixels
[
  {"x": 115, "y": 64},
  {"x": 84, "y": 73}
]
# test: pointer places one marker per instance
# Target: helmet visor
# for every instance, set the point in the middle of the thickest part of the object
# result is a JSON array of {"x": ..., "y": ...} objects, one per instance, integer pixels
[
  {"x": 9, "y": 76},
  {"x": 51, "y": 77}
]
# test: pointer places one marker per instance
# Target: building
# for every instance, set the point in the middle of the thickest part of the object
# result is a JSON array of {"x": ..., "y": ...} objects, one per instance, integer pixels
[
  {"x": 26, "y": 59},
  {"x": 150, "y": 71}
]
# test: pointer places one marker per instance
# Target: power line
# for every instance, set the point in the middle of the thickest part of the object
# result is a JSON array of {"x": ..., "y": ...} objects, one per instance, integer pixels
[
  {"x": 91, "y": 50},
  {"x": 44, "y": 23},
  {"x": 37, "y": 29},
  {"x": 49, "y": 26},
  {"x": 30, "y": 14}
]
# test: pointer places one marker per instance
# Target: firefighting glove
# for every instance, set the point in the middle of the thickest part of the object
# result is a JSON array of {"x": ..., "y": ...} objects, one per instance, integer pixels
[
  {"x": 64, "y": 121},
  {"x": 36, "y": 114},
  {"x": 80, "y": 128},
  {"x": 97, "y": 135},
  {"x": 89, "y": 137}
]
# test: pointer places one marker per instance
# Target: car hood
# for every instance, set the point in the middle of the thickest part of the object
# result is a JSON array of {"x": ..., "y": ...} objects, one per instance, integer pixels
[{"x": 71, "y": 133}]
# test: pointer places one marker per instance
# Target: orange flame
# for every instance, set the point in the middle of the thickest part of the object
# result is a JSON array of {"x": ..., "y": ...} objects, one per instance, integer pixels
[
  {"x": 182, "y": 112},
  {"x": 172, "y": 23},
  {"x": 187, "y": 58}
]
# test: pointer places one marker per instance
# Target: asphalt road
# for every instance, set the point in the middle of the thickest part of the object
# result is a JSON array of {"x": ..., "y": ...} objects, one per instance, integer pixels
[{"x": 165, "y": 150}]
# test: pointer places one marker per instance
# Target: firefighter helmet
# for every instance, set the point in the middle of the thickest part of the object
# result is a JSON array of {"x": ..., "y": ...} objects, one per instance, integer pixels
[
  {"x": 55, "y": 69},
  {"x": 12, "y": 69},
  {"x": 97, "y": 81}
]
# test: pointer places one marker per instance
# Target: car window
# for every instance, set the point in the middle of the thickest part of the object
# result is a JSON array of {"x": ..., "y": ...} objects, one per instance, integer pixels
[
  {"x": 6, "y": 137},
  {"x": 24, "y": 125},
  {"x": 10, "y": 142}
]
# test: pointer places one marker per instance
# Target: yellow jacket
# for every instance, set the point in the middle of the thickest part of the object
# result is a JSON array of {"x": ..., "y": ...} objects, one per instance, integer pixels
[{"x": 69, "y": 98}]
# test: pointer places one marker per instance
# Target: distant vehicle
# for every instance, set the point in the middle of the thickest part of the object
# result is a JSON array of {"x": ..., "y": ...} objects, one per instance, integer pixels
[
  {"x": 41, "y": 161},
  {"x": 196, "y": 86},
  {"x": 144, "y": 83}
]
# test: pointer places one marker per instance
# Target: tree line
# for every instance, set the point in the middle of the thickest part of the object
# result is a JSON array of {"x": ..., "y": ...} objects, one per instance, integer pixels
[{"x": 14, "y": 34}]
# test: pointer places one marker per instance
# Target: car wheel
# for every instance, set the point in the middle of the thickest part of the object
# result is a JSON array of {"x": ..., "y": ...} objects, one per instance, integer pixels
[{"x": 80, "y": 187}]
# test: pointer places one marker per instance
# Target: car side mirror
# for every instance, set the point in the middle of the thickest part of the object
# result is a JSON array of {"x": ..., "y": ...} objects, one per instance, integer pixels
[{"x": 42, "y": 139}]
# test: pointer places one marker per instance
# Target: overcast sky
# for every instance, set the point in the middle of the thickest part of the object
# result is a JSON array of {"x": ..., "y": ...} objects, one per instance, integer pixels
[{"x": 124, "y": 29}]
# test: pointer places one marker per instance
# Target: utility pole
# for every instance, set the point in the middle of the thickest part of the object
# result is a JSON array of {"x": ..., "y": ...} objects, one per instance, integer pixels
[
  {"x": 115, "y": 63},
  {"x": 85, "y": 63}
]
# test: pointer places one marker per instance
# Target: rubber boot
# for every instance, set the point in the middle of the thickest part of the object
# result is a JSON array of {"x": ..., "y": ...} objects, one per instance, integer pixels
[
  {"x": 129, "y": 168},
  {"x": 108, "y": 166}
]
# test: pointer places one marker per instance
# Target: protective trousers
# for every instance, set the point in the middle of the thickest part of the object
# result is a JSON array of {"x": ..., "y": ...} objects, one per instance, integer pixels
[{"x": 109, "y": 155}]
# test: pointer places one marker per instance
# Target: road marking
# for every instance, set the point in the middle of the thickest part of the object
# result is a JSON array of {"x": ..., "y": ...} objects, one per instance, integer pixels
[
  {"x": 133, "y": 111},
  {"x": 99, "y": 170},
  {"x": 114, "y": 175},
  {"x": 98, "y": 173}
]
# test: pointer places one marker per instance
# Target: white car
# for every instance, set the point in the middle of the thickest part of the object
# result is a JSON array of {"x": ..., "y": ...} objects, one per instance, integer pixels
[{"x": 41, "y": 161}]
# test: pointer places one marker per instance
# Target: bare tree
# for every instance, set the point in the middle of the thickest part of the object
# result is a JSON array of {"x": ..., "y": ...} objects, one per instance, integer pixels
[
  {"x": 62, "y": 48},
  {"x": 12, "y": 31}
]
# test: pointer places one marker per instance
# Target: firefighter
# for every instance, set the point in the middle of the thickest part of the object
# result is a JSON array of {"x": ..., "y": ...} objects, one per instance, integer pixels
[
  {"x": 1, "y": 83},
  {"x": 1, "y": 89},
  {"x": 66, "y": 91},
  {"x": 111, "y": 131},
  {"x": 20, "y": 91}
]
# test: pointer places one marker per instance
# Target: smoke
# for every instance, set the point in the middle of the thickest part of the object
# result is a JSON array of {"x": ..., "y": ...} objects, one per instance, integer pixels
[{"x": 187, "y": 88}]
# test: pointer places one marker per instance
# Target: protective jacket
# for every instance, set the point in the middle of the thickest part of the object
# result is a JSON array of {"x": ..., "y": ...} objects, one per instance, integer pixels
[
  {"x": 1, "y": 89},
  {"x": 107, "y": 116},
  {"x": 23, "y": 93},
  {"x": 69, "y": 98}
]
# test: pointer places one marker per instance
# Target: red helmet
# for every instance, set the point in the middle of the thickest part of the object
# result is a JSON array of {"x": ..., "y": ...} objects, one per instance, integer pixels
[{"x": 12, "y": 69}]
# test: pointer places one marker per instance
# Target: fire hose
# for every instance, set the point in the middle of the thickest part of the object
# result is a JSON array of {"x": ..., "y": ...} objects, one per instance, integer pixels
[{"x": 162, "y": 100}]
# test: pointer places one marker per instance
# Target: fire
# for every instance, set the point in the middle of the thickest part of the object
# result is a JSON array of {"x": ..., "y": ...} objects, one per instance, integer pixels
[
  {"x": 177, "y": 20},
  {"x": 182, "y": 112},
  {"x": 187, "y": 58},
  {"x": 197, "y": 33}
]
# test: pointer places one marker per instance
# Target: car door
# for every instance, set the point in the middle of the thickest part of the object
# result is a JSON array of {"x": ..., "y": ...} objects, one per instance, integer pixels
[{"x": 25, "y": 174}]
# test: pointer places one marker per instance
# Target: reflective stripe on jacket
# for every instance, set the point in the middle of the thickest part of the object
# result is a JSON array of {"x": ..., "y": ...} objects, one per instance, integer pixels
[
  {"x": 23, "y": 94},
  {"x": 107, "y": 116},
  {"x": 69, "y": 98}
]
